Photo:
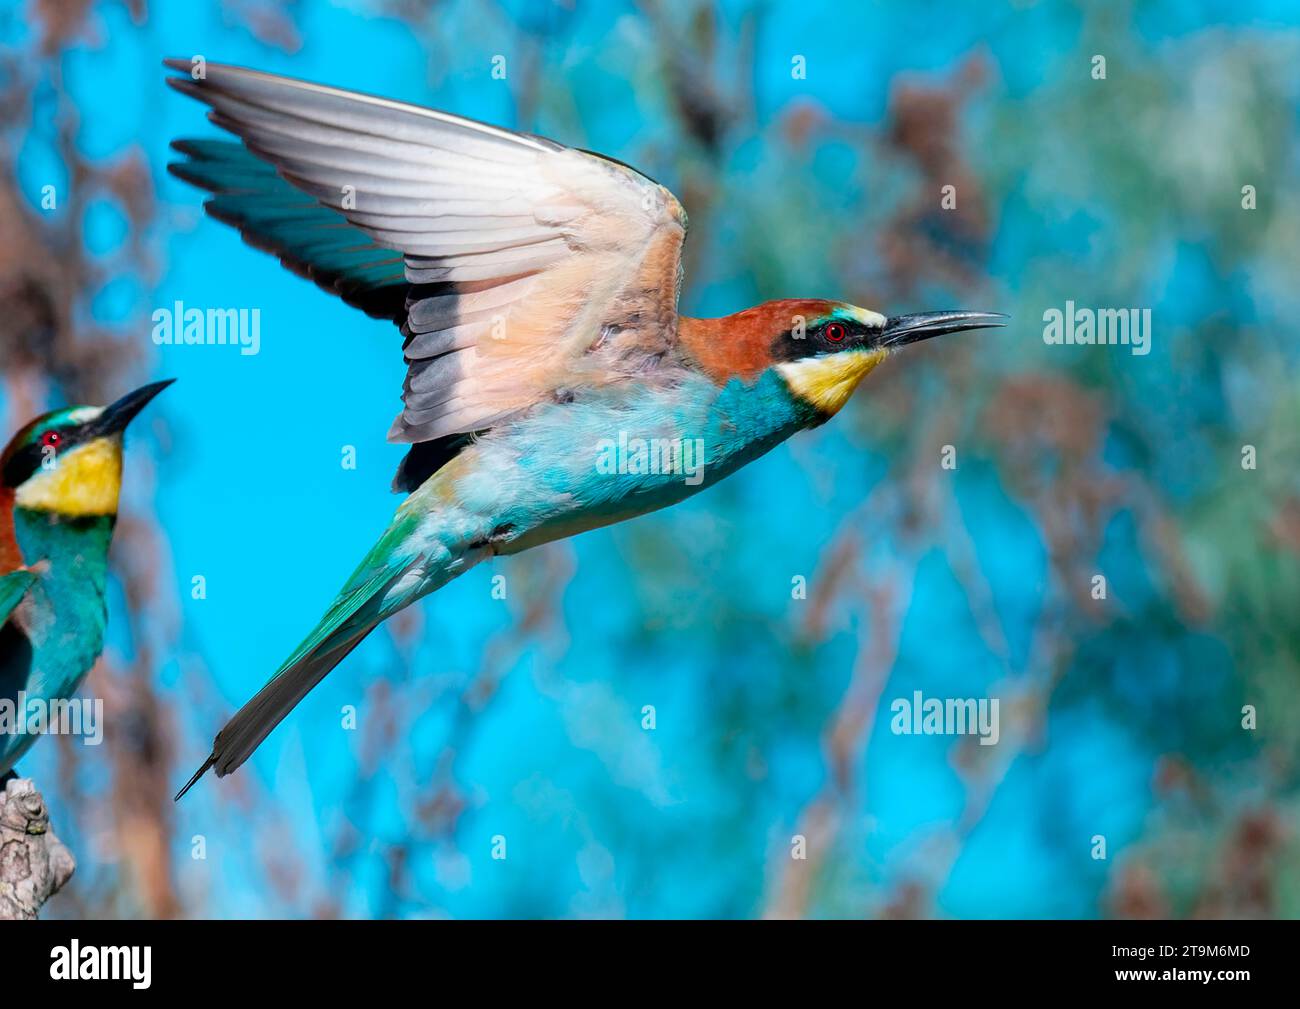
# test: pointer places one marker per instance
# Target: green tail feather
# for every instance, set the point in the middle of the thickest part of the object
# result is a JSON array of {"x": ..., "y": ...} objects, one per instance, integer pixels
[{"x": 353, "y": 615}]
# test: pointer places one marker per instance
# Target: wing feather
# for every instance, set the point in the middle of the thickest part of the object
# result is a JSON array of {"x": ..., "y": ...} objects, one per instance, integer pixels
[
  {"x": 13, "y": 586},
  {"x": 530, "y": 267},
  {"x": 309, "y": 239}
]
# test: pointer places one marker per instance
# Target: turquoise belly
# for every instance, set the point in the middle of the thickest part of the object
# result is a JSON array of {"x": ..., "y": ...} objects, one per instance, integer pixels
[{"x": 575, "y": 466}]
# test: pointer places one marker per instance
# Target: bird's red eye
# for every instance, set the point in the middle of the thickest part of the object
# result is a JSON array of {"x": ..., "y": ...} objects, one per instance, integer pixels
[
  {"x": 835, "y": 332},
  {"x": 51, "y": 439}
]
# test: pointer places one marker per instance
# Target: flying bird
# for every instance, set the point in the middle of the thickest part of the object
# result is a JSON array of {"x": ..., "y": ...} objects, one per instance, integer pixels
[
  {"x": 59, "y": 482},
  {"x": 551, "y": 385}
]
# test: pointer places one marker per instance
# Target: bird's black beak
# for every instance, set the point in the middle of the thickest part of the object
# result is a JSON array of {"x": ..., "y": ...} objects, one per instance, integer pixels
[
  {"x": 116, "y": 417},
  {"x": 901, "y": 330}
]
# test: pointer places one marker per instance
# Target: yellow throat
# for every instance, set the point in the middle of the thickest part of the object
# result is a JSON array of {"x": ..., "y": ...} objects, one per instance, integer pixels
[
  {"x": 828, "y": 382},
  {"x": 83, "y": 482}
]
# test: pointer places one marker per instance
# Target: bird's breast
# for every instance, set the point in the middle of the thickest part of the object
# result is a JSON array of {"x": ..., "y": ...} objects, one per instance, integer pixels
[{"x": 569, "y": 467}]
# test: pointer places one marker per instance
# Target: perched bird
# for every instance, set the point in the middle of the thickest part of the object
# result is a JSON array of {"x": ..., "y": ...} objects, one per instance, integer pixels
[
  {"x": 551, "y": 386},
  {"x": 59, "y": 482}
]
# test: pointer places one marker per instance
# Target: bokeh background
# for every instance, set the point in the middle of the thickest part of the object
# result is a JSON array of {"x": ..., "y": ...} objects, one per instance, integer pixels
[{"x": 476, "y": 717}]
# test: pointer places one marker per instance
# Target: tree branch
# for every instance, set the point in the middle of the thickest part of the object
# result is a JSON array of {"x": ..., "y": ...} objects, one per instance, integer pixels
[{"x": 34, "y": 863}]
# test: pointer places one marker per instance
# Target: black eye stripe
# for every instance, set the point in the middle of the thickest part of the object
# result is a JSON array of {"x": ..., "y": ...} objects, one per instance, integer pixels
[
  {"x": 24, "y": 462},
  {"x": 21, "y": 465},
  {"x": 829, "y": 336},
  {"x": 838, "y": 333}
]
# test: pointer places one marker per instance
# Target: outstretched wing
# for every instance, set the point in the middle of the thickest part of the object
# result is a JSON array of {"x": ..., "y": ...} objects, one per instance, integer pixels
[{"x": 531, "y": 269}]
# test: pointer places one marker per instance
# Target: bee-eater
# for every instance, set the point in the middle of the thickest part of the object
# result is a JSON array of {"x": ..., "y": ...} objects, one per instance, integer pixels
[
  {"x": 551, "y": 386},
  {"x": 59, "y": 482}
]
